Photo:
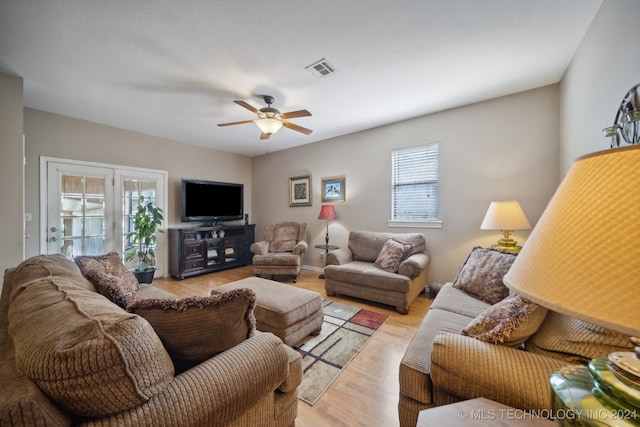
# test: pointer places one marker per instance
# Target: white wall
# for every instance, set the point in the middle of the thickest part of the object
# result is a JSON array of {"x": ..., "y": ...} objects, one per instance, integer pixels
[
  {"x": 605, "y": 67},
  {"x": 59, "y": 136},
  {"x": 11, "y": 117},
  {"x": 502, "y": 149}
]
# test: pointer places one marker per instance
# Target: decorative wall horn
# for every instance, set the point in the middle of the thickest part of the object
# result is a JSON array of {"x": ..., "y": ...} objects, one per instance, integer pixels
[{"x": 627, "y": 122}]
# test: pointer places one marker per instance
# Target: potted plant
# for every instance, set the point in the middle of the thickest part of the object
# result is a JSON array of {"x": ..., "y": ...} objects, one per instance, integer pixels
[{"x": 146, "y": 222}]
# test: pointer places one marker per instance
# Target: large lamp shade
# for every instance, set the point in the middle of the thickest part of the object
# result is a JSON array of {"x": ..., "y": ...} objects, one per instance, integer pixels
[{"x": 582, "y": 258}]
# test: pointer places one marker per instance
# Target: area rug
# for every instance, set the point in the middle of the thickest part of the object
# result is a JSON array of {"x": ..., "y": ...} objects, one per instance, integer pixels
[{"x": 345, "y": 331}]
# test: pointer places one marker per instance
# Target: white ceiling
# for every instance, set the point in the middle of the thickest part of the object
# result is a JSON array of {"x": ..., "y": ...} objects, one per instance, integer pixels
[{"x": 172, "y": 68}]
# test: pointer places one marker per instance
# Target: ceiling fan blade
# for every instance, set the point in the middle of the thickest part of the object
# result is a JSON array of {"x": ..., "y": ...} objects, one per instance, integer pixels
[
  {"x": 248, "y": 107},
  {"x": 292, "y": 114},
  {"x": 236, "y": 123},
  {"x": 297, "y": 128},
  {"x": 265, "y": 135}
]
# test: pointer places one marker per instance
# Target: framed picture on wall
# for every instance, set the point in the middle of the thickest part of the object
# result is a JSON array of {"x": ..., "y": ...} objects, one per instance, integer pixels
[
  {"x": 333, "y": 189},
  {"x": 300, "y": 191}
]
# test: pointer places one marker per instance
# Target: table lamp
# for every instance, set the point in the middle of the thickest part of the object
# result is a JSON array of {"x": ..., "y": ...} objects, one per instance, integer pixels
[
  {"x": 582, "y": 259},
  {"x": 505, "y": 216}
]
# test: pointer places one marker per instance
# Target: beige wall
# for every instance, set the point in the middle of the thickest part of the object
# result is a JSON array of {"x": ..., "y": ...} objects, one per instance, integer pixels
[
  {"x": 604, "y": 68},
  {"x": 502, "y": 149},
  {"x": 11, "y": 161},
  {"x": 63, "y": 137}
]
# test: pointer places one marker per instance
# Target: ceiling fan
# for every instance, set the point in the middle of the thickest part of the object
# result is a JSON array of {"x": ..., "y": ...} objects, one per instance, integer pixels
[{"x": 270, "y": 119}]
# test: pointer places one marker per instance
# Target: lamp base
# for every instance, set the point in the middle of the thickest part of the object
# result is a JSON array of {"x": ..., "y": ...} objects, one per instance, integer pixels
[
  {"x": 594, "y": 396},
  {"x": 508, "y": 245}
]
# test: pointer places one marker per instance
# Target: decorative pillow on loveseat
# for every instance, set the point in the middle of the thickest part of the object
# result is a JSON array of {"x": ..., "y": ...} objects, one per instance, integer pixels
[
  {"x": 481, "y": 274},
  {"x": 510, "y": 322},
  {"x": 196, "y": 328},
  {"x": 392, "y": 254}
]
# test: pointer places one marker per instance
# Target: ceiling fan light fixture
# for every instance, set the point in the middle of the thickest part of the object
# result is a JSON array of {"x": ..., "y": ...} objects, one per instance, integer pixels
[{"x": 269, "y": 126}]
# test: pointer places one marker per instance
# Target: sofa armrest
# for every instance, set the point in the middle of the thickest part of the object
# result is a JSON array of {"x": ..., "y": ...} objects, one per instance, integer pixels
[
  {"x": 260, "y": 248},
  {"x": 300, "y": 248},
  {"x": 217, "y": 390},
  {"x": 468, "y": 368},
  {"x": 339, "y": 256},
  {"x": 414, "y": 265}
]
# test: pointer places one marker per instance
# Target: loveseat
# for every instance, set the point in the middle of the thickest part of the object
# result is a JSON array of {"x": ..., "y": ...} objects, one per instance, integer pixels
[
  {"x": 389, "y": 268},
  {"x": 480, "y": 340},
  {"x": 70, "y": 356}
]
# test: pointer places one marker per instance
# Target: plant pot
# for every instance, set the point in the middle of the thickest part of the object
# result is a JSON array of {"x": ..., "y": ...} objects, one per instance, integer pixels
[{"x": 144, "y": 276}]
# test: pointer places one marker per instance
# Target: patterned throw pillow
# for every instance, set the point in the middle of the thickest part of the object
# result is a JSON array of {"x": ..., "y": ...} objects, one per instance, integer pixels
[
  {"x": 196, "y": 328},
  {"x": 509, "y": 322},
  {"x": 111, "y": 264},
  {"x": 482, "y": 273},
  {"x": 392, "y": 254},
  {"x": 115, "y": 288}
]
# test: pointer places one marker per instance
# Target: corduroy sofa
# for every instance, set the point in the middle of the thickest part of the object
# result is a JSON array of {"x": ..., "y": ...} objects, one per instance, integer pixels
[
  {"x": 355, "y": 270},
  {"x": 461, "y": 352},
  {"x": 70, "y": 356}
]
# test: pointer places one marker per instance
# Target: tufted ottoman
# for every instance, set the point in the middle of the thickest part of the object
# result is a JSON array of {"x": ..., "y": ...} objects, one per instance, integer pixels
[{"x": 288, "y": 312}]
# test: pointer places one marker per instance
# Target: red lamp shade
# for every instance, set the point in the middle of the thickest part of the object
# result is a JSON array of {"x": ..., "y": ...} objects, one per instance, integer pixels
[{"x": 327, "y": 212}]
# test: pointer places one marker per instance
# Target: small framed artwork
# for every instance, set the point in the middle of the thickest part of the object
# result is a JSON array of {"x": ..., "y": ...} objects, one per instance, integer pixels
[
  {"x": 300, "y": 191},
  {"x": 333, "y": 189}
]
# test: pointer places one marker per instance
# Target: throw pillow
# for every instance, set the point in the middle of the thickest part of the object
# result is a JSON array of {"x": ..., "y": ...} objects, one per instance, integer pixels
[
  {"x": 481, "y": 274},
  {"x": 392, "y": 254},
  {"x": 196, "y": 328},
  {"x": 509, "y": 322},
  {"x": 110, "y": 263},
  {"x": 115, "y": 288}
]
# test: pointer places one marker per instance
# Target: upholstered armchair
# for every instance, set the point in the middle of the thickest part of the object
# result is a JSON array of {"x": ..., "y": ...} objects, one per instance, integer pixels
[{"x": 281, "y": 251}]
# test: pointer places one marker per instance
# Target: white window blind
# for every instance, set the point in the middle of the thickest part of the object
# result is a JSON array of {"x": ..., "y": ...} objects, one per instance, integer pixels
[{"x": 415, "y": 183}]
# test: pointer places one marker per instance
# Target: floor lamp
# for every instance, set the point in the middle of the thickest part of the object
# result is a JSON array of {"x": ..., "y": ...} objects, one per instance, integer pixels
[{"x": 328, "y": 213}]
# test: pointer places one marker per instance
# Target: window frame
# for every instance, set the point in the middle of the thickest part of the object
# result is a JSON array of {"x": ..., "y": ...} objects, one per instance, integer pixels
[{"x": 414, "y": 223}]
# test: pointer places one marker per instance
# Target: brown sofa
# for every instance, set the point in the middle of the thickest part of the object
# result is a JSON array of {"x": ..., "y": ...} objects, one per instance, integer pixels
[
  {"x": 69, "y": 356},
  {"x": 441, "y": 365},
  {"x": 352, "y": 270}
]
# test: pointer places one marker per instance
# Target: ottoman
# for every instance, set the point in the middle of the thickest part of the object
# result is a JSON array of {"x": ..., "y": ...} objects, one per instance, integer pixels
[{"x": 288, "y": 312}]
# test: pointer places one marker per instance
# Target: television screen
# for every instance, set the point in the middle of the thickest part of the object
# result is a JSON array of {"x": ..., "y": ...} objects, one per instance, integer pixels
[{"x": 211, "y": 201}]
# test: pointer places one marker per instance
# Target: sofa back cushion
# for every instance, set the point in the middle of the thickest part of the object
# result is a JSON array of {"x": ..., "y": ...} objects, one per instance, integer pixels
[
  {"x": 566, "y": 338},
  {"x": 84, "y": 352},
  {"x": 366, "y": 245}
]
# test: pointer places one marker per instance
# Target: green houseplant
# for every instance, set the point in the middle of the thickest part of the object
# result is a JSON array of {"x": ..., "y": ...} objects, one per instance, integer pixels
[{"x": 145, "y": 226}]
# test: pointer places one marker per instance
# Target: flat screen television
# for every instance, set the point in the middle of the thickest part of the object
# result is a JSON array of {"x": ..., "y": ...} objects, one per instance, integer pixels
[{"x": 211, "y": 201}]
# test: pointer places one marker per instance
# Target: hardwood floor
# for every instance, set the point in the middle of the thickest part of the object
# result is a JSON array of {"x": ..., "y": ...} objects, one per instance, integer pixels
[{"x": 366, "y": 392}]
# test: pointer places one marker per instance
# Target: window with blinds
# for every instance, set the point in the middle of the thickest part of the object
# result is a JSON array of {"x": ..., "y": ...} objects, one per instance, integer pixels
[{"x": 415, "y": 183}]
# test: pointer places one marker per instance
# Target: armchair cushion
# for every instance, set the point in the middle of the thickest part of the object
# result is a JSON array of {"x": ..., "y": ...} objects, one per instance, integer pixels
[
  {"x": 509, "y": 322},
  {"x": 481, "y": 274},
  {"x": 284, "y": 246},
  {"x": 196, "y": 328}
]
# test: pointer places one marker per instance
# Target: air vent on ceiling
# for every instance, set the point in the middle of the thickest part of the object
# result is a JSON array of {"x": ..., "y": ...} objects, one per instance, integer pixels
[{"x": 321, "y": 68}]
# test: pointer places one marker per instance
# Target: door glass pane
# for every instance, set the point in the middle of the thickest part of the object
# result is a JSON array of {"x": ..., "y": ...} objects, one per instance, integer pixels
[
  {"x": 82, "y": 225},
  {"x": 132, "y": 189}
]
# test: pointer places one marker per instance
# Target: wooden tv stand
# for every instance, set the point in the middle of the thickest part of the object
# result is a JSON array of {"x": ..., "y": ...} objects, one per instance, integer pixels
[{"x": 201, "y": 250}]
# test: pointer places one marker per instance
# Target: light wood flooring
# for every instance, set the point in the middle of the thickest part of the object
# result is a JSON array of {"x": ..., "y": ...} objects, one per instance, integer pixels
[{"x": 366, "y": 392}]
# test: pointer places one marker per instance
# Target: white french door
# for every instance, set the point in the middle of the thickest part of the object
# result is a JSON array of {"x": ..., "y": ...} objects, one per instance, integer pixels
[
  {"x": 87, "y": 207},
  {"x": 78, "y": 221}
]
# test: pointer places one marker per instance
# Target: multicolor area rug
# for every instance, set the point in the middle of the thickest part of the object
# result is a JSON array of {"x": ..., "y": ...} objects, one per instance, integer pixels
[{"x": 345, "y": 331}]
